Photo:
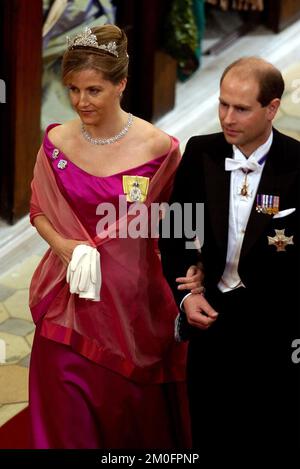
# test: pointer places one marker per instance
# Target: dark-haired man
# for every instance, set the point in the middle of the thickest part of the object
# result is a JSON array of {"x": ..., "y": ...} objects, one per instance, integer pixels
[{"x": 243, "y": 383}]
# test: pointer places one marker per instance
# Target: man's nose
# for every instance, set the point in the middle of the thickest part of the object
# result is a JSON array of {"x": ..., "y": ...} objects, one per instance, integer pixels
[{"x": 229, "y": 117}]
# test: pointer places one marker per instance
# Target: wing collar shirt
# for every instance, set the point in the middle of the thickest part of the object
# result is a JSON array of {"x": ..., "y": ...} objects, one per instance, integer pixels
[{"x": 239, "y": 209}]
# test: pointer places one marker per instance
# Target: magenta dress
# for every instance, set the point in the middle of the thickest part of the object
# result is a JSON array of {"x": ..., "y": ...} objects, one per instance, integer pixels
[{"x": 78, "y": 403}]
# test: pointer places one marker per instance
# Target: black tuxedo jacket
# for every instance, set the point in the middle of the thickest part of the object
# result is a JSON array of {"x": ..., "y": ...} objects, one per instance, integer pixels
[{"x": 201, "y": 177}]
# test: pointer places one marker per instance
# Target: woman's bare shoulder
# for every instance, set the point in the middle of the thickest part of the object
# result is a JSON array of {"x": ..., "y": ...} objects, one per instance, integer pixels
[
  {"x": 159, "y": 142},
  {"x": 62, "y": 133}
]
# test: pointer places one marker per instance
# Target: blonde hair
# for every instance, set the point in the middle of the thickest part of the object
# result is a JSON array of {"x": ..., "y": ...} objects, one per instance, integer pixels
[{"x": 113, "y": 68}]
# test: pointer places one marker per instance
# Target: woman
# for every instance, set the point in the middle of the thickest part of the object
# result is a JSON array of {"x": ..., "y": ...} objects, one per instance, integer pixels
[{"x": 108, "y": 373}]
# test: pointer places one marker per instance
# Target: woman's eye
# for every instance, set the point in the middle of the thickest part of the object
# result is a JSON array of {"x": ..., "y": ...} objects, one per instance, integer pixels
[{"x": 94, "y": 91}]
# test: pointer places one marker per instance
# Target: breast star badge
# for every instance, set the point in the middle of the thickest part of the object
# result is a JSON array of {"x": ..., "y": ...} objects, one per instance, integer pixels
[{"x": 280, "y": 240}]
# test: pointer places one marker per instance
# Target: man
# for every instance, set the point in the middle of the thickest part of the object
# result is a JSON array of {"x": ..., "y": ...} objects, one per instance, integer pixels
[{"x": 243, "y": 384}]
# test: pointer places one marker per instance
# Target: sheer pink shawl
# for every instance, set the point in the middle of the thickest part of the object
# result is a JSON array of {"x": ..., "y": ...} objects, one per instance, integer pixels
[{"x": 134, "y": 338}]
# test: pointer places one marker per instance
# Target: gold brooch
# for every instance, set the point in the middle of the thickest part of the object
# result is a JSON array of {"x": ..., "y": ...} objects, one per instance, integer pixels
[
  {"x": 135, "y": 188},
  {"x": 280, "y": 240}
]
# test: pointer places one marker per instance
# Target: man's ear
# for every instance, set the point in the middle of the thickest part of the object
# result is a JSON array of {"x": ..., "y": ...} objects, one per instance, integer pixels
[{"x": 273, "y": 107}]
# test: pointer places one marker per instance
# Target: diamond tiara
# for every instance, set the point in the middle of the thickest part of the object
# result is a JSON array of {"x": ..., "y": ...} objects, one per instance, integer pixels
[{"x": 88, "y": 39}]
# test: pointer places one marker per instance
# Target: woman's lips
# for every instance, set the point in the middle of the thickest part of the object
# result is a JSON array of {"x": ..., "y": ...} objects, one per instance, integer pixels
[{"x": 86, "y": 113}]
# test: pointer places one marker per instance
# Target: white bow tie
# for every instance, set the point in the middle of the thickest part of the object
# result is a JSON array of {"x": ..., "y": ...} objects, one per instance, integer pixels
[{"x": 248, "y": 165}]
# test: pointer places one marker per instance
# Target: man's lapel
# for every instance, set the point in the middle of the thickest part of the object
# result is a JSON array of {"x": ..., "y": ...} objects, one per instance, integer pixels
[
  {"x": 217, "y": 187},
  {"x": 272, "y": 182}
]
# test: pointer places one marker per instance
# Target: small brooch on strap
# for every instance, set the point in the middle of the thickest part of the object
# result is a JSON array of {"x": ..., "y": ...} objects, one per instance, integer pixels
[
  {"x": 62, "y": 164},
  {"x": 55, "y": 153}
]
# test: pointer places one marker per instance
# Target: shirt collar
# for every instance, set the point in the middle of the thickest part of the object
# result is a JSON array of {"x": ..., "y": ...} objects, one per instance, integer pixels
[{"x": 257, "y": 154}]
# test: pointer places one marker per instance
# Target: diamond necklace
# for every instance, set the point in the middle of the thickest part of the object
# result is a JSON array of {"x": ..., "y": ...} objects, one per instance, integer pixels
[{"x": 107, "y": 141}]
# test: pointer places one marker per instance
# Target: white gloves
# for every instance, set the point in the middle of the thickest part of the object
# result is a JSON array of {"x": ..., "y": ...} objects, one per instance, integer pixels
[{"x": 84, "y": 272}]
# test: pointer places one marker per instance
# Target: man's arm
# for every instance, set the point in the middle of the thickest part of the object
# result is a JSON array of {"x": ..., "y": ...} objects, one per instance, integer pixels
[{"x": 176, "y": 259}]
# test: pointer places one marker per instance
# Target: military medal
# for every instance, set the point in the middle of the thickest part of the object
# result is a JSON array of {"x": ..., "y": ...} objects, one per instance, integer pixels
[
  {"x": 135, "y": 188},
  {"x": 267, "y": 204},
  {"x": 280, "y": 240},
  {"x": 245, "y": 187}
]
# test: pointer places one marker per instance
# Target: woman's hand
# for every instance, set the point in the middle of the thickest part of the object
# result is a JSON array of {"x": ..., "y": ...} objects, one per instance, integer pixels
[
  {"x": 64, "y": 248},
  {"x": 193, "y": 280},
  {"x": 61, "y": 246}
]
